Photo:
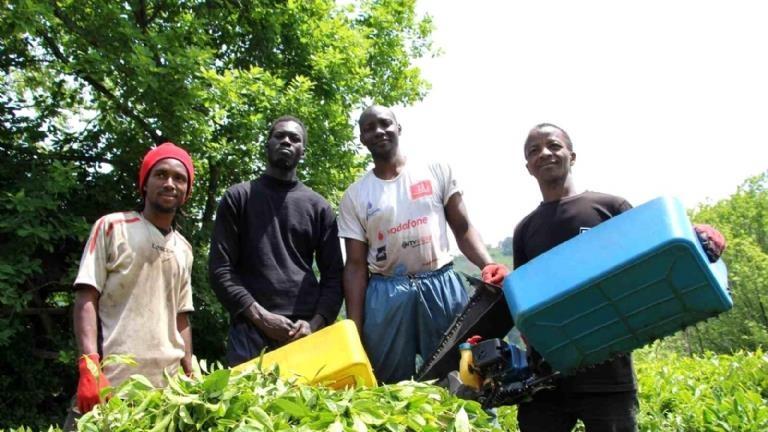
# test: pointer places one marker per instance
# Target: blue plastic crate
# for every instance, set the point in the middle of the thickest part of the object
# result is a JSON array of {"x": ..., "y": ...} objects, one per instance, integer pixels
[{"x": 633, "y": 279}]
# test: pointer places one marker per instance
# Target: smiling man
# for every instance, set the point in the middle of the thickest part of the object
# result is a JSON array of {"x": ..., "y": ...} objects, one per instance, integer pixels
[
  {"x": 133, "y": 288},
  {"x": 399, "y": 284},
  {"x": 603, "y": 397},
  {"x": 267, "y": 233}
]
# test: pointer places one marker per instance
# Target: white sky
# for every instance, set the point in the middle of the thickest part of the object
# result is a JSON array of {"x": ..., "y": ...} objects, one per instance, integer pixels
[{"x": 659, "y": 97}]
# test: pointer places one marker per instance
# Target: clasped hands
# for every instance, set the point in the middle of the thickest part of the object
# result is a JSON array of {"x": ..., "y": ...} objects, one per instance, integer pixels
[{"x": 280, "y": 328}]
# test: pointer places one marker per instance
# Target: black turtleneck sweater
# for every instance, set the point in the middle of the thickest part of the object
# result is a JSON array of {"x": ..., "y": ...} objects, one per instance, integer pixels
[{"x": 266, "y": 235}]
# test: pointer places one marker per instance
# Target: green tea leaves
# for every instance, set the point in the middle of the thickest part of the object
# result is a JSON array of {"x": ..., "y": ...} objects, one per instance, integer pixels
[{"x": 258, "y": 400}]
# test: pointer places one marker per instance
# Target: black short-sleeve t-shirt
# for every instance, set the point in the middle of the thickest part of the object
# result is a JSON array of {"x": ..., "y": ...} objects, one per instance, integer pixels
[{"x": 553, "y": 223}]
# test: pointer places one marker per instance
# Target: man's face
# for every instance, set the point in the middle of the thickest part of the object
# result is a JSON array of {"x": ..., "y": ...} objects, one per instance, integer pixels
[
  {"x": 285, "y": 146},
  {"x": 547, "y": 156},
  {"x": 166, "y": 187},
  {"x": 380, "y": 132}
]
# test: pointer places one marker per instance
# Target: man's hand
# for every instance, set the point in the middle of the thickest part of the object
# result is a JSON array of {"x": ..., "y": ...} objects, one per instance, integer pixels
[
  {"x": 316, "y": 323},
  {"x": 273, "y": 326},
  {"x": 91, "y": 381},
  {"x": 301, "y": 328},
  {"x": 712, "y": 241},
  {"x": 494, "y": 273}
]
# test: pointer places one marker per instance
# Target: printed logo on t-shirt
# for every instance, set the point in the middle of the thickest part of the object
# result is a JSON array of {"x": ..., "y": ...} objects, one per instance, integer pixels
[
  {"x": 421, "y": 189},
  {"x": 370, "y": 210},
  {"x": 410, "y": 223},
  {"x": 583, "y": 229},
  {"x": 416, "y": 242},
  {"x": 165, "y": 253},
  {"x": 380, "y": 236},
  {"x": 381, "y": 253}
]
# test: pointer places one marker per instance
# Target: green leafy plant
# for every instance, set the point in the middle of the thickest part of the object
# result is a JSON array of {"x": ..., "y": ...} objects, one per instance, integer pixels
[
  {"x": 707, "y": 393},
  {"x": 222, "y": 400}
]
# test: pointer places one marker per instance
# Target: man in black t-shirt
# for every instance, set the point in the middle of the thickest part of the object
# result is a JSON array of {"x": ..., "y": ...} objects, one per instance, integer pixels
[
  {"x": 604, "y": 397},
  {"x": 267, "y": 233}
]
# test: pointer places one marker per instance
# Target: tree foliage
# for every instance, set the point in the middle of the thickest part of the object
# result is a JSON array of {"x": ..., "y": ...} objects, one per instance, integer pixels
[
  {"x": 88, "y": 86},
  {"x": 506, "y": 247}
]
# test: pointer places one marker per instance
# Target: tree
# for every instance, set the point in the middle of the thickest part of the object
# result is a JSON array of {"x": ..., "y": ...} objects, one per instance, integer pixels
[
  {"x": 89, "y": 86},
  {"x": 506, "y": 246}
]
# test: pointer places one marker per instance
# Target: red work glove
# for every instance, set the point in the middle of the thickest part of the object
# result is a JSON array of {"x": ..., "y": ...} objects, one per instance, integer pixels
[
  {"x": 712, "y": 241},
  {"x": 494, "y": 273},
  {"x": 92, "y": 380}
]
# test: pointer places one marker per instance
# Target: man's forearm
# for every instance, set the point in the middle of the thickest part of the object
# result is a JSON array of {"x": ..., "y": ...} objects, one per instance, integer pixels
[
  {"x": 254, "y": 313},
  {"x": 467, "y": 237},
  {"x": 86, "y": 313},
  {"x": 471, "y": 245},
  {"x": 185, "y": 329},
  {"x": 355, "y": 283},
  {"x": 257, "y": 314},
  {"x": 317, "y": 322}
]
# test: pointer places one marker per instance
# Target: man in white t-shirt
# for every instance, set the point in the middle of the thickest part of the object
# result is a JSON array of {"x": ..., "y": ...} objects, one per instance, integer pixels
[
  {"x": 399, "y": 284},
  {"x": 133, "y": 288}
]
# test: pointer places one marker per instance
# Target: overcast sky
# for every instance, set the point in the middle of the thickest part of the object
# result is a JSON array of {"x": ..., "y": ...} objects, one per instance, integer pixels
[{"x": 659, "y": 97}]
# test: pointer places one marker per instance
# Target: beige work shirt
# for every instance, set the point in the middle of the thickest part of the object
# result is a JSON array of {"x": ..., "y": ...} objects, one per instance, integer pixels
[{"x": 144, "y": 279}]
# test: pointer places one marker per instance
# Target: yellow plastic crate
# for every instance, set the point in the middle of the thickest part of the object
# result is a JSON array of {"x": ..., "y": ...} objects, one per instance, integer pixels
[{"x": 332, "y": 356}]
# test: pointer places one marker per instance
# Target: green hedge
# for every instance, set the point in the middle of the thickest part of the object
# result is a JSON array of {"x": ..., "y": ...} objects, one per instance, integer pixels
[
  {"x": 677, "y": 393},
  {"x": 695, "y": 394},
  {"x": 705, "y": 393}
]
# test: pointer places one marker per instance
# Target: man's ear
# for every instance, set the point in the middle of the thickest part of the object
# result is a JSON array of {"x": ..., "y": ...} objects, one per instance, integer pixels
[
  {"x": 573, "y": 158},
  {"x": 399, "y": 129}
]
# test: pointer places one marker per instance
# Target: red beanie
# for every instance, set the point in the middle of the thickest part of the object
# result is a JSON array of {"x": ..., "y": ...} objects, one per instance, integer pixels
[{"x": 164, "y": 151}]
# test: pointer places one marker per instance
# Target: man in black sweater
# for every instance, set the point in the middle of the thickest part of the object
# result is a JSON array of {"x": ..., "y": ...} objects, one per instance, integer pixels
[{"x": 267, "y": 233}]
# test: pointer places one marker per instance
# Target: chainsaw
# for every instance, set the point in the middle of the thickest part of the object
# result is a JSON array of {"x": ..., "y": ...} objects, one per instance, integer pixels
[{"x": 492, "y": 371}]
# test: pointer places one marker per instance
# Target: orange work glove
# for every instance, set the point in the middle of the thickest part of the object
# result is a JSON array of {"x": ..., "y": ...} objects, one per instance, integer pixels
[
  {"x": 494, "y": 273},
  {"x": 92, "y": 380},
  {"x": 711, "y": 239}
]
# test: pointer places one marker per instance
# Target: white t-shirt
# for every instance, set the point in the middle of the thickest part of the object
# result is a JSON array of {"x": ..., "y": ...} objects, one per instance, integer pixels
[
  {"x": 402, "y": 220},
  {"x": 145, "y": 280}
]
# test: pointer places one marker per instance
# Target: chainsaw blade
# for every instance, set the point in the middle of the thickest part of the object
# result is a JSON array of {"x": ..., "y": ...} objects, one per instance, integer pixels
[{"x": 486, "y": 314}]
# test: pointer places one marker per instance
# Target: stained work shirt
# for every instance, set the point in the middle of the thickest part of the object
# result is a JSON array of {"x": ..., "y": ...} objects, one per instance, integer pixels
[
  {"x": 267, "y": 234},
  {"x": 402, "y": 220},
  {"x": 553, "y": 223},
  {"x": 144, "y": 278}
]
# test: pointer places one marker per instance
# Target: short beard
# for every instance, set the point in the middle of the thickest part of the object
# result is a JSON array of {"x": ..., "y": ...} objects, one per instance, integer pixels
[
  {"x": 283, "y": 164},
  {"x": 162, "y": 209}
]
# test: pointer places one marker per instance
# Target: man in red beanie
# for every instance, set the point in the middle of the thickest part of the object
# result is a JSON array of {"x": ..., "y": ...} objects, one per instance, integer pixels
[{"x": 133, "y": 290}]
